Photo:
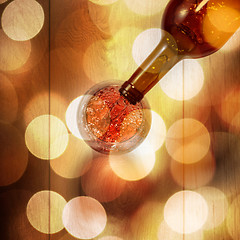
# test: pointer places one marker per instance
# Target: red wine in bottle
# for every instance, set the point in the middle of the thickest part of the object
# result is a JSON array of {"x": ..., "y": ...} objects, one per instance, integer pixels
[{"x": 193, "y": 29}]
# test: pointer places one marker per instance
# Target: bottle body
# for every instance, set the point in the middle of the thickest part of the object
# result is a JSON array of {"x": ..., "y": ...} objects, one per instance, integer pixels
[
  {"x": 201, "y": 27},
  {"x": 194, "y": 29}
]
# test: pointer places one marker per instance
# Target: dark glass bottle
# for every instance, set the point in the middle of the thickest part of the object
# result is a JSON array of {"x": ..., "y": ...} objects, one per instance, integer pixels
[{"x": 192, "y": 29}]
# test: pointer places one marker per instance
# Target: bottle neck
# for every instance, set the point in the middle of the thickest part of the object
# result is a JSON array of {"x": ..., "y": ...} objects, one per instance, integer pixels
[{"x": 158, "y": 63}]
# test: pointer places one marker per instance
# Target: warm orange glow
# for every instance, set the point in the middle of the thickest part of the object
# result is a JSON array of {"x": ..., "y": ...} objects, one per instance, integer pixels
[
  {"x": 220, "y": 22},
  {"x": 46, "y": 137},
  {"x": 84, "y": 217},
  {"x": 187, "y": 141},
  {"x": 134, "y": 165},
  {"x": 14, "y": 154},
  {"x": 22, "y": 19},
  {"x": 217, "y": 206},
  {"x": 229, "y": 110},
  {"x": 186, "y": 212},
  {"x": 194, "y": 175},
  {"x": 101, "y": 183},
  {"x": 44, "y": 211},
  {"x": 224, "y": 17},
  {"x": 13, "y": 54},
  {"x": 8, "y": 100},
  {"x": 75, "y": 160}
]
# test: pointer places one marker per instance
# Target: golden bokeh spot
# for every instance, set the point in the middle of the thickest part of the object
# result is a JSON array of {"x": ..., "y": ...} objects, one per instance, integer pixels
[
  {"x": 84, "y": 217},
  {"x": 22, "y": 19},
  {"x": 44, "y": 211},
  {"x": 186, "y": 212},
  {"x": 187, "y": 141},
  {"x": 13, "y": 54},
  {"x": 13, "y": 154},
  {"x": 75, "y": 160},
  {"x": 134, "y": 165},
  {"x": 46, "y": 137}
]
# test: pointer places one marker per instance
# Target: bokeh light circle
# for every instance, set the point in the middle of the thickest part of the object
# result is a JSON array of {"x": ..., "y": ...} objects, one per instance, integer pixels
[
  {"x": 84, "y": 217},
  {"x": 187, "y": 141},
  {"x": 134, "y": 165},
  {"x": 75, "y": 160},
  {"x": 146, "y": 7},
  {"x": 145, "y": 43},
  {"x": 217, "y": 206},
  {"x": 233, "y": 218},
  {"x": 13, "y": 54},
  {"x": 44, "y": 211},
  {"x": 186, "y": 212},
  {"x": 71, "y": 117},
  {"x": 103, "y": 2},
  {"x": 157, "y": 133},
  {"x": 13, "y": 154},
  {"x": 46, "y": 137},
  {"x": 8, "y": 100},
  {"x": 101, "y": 183},
  {"x": 22, "y": 19},
  {"x": 182, "y": 82}
]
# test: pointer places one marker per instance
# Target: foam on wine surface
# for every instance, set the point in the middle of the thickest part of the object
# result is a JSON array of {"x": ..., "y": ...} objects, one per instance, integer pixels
[{"x": 110, "y": 116}]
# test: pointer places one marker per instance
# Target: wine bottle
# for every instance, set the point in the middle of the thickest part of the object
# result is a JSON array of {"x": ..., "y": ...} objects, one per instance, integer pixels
[{"x": 192, "y": 29}]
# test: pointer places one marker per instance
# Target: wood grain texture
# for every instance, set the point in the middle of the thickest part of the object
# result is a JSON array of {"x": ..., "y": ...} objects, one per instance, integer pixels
[{"x": 81, "y": 44}]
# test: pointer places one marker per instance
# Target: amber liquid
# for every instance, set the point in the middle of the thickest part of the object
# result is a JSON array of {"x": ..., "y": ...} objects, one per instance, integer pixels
[
  {"x": 184, "y": 23},
  {"x": 194, "y": 29}
]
